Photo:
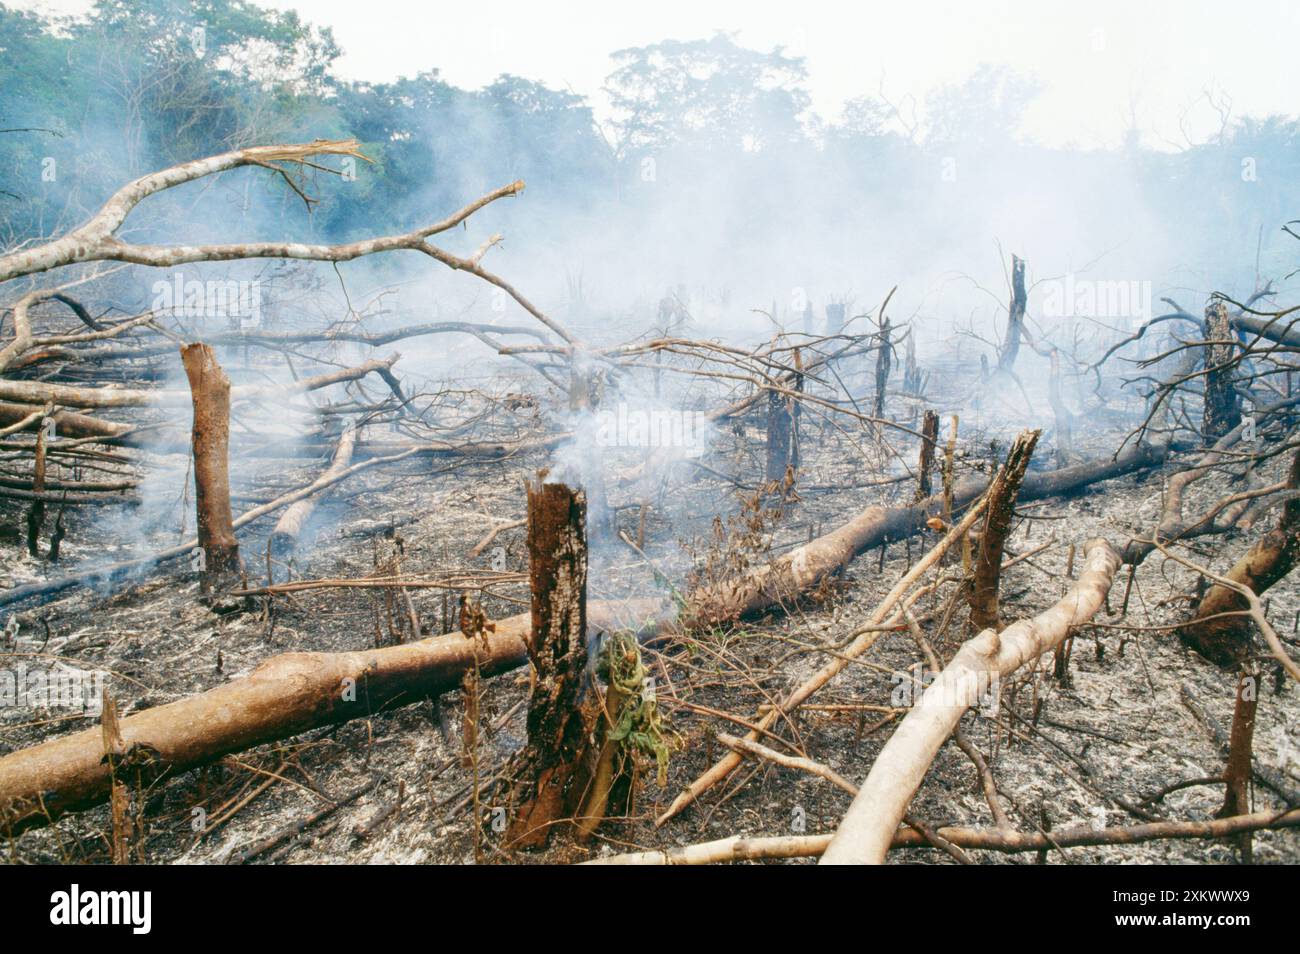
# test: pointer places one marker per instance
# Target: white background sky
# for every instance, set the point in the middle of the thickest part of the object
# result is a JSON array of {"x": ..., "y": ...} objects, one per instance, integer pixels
[{"x": 1100, "y": 61}]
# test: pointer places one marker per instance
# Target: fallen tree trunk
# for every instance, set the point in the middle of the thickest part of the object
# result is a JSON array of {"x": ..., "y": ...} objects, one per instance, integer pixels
[
  {"x": 67, "y": 423},
  {"x": 802, "y": 568},
  {"x": 1220, "y": 630},
  {"x": 869, "y": 826},
  {"x": 282, "y": 697},
  {"x": 291, "y": 693},
  {"x": 284, "y": 538},
  {"x": 987, "y": 839},
  {"x": 66, "y": 395},
  {"x": 1284, "y": 334}
]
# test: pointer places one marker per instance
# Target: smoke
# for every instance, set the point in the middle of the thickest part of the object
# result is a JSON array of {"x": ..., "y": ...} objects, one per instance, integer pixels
[{"x": 745, "y": 218}]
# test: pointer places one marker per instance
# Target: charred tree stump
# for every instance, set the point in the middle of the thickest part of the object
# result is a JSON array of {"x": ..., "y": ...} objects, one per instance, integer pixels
[
  {"x": 997, "y": 522},
  {"x": 883, "y": 359},
  {"x": 1225, "y": 639},
  {"x": 550, "y": 777},
  {"x": 210, "y": 390},
  {"x": 1015, "y": 315},
  {"x": 929, "y": 442},
  {"x": 1222, "y": 406},
  {"x": 780, "y": 436}
]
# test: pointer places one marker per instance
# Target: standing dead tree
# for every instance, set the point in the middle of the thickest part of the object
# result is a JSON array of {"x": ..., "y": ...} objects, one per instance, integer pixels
[
  {"x": 1015, "y": 316},
  {"x": 1222, "y": 406},
  {"x": 218, "y": 548},
  {"x": 883, "y": 358},
  {"x": 925, "y": 463},
  {"x": 781, "y": 436},
  {"x": 997, "y": 523}
]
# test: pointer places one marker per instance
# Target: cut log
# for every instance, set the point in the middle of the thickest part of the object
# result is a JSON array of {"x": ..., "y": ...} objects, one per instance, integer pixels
[
  {"x": 218, "y": 547},
  {"x": 869, "y": 826},
  {"x": 284, "y": 696}
]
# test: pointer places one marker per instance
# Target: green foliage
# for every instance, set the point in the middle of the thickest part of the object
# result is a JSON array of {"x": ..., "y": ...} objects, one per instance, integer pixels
[
  {"x": 637, "y": 724},
  {"x": 710, "y": 93},
  {"x": 136, "y": 85}
]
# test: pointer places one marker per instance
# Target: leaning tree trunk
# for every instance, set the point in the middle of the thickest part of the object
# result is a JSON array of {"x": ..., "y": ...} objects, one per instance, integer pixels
[
  {"x": 1222, "y": 407},
  {"x": 218, "y": 548},
  {"x": 1015, "y": 315},
  {"x": 869, "y": 826},
  {"x": 550, "y": 777},
  {"x": 1225, "y": 639},
  {"x": 997, "y": 523}
]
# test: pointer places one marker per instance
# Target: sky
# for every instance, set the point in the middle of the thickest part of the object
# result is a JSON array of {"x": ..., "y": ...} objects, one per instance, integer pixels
[{"x": 1104, "y": 65}]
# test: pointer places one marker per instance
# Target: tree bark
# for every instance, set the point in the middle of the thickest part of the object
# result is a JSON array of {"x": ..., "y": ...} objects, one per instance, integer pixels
[
  {"x": 1015, "y": 315},
  {"x": 548, "y": 780},
  {"x": 211, "y": 447},
  {"x": 1236, "y": 799},
  {"x": 780, "y": 436},
  {"x": 869, "y": 826},
  {"x": 1222, "y": 406},
  {"x": 925, "y": 464},
  {"x": 294, "y": 692},
  {"x": 883, "y": 358},
  {"x": 997, "y": 523},
  {"x": 284, "y": 538},
  {"x": 1225, "y": 639}
]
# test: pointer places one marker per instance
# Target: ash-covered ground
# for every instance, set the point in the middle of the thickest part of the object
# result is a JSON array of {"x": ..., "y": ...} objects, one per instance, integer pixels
[{"x": 1062, "y": 755}]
